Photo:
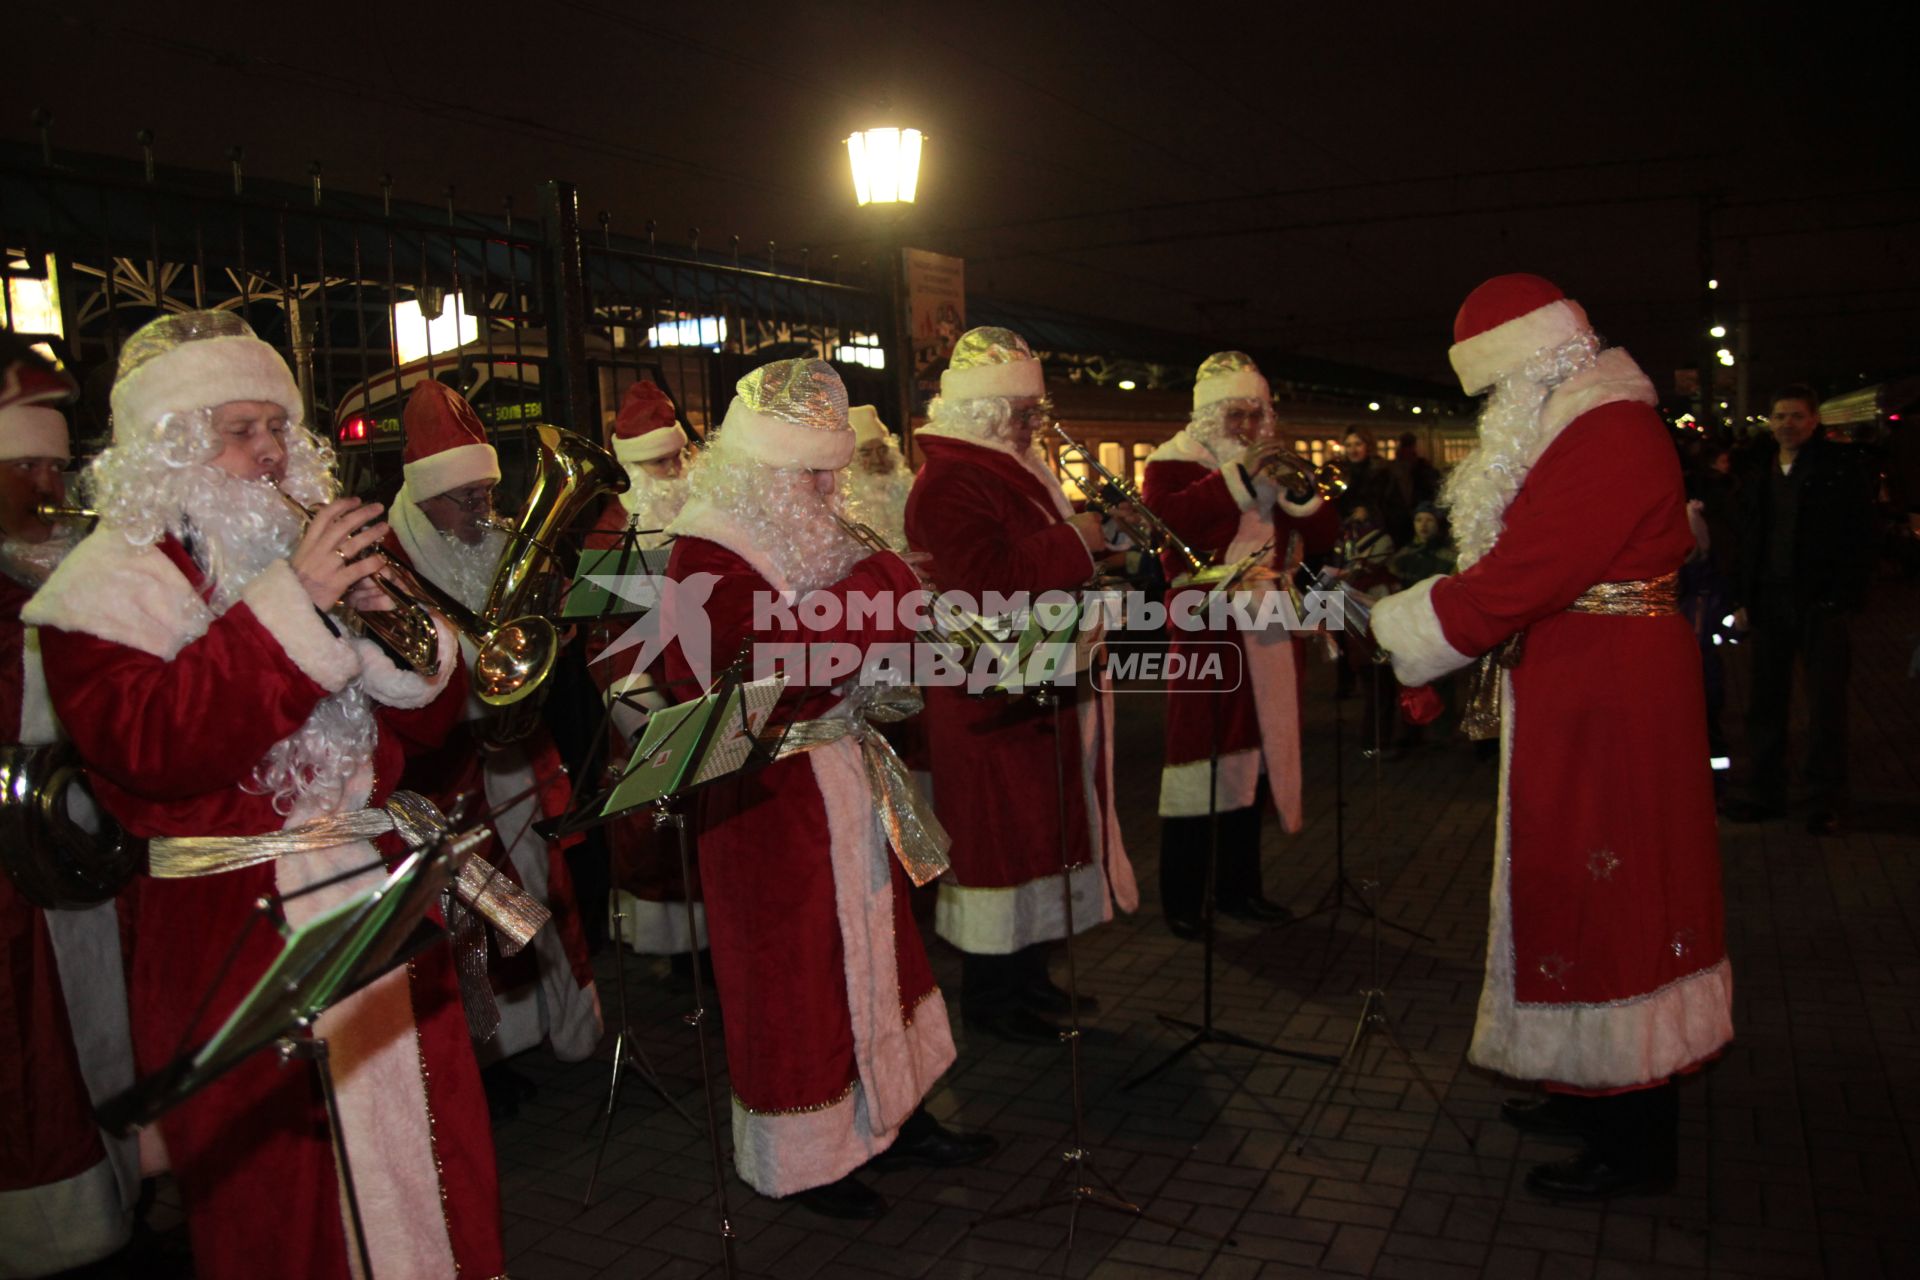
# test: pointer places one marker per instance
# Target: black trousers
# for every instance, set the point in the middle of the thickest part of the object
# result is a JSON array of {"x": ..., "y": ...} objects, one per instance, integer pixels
[
  {"x": 1785, "y": 634},
  {"x": 1638, "y": 1130},
  {"x": 989, "y": 983},
  {"x": 1184, "y": 843}
]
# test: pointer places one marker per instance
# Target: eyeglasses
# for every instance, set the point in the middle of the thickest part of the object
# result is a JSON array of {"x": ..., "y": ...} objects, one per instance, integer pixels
[
  {"x": 480, "y": 501},
  {"x": 1039, "y": 413}
]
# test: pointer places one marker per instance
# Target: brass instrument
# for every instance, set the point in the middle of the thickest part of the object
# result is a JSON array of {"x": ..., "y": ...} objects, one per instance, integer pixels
[
  {"x": 59, "y": 513},
  {"x": 52, "y": 857},
  {"x": 1149, "y": 532},
  {"x": 1296, "y": 471},
  {"x": 968, "y": 638},
  {"x": 407, "y": 629}
]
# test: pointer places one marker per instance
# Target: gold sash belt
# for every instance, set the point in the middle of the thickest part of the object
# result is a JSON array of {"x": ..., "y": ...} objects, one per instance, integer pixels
[
  {"x": 1643, "y": 598},
  {"x": 914, "y": 831},
  {"x": 417, "y": 820}
]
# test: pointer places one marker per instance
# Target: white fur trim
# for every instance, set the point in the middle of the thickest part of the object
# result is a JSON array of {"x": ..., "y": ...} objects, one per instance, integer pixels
[
  {"x": 1183, "y": 787},
  {"x": 866, "y": 423},
  {"x": 1482, "y": 359},
  {"x": 450, "y": 468},
  {"x": 1236, "y": 477},
  {"x": 1612, "y": 377},
  {"x": 1621, "y": 1043},
  {"x": 1062, "y": 505},
  {"x": 1181, "y": 446},
  {"x": 998, "y": 922},
  {"x": 1276, "y": 705},
  {"x": 33, "y": 431},
  {"x": 200, "y": 375},
  {"x": 1103, "y": 819},
  {"x": 1299, "y": 510},
  {"x": 1240, "y": 384},
  {"x": 1013, "y": 381},
  {"x": 658, "y": 928},
  {"x": 57, "y": 1226},
  {"x": 650, "y": 446},
  {"x": 93, "y": 985},
  {"x": 779, "y": 443},
  {"x": 701, "y": 519},
  {"x": 38, "y": 724},
  {"x": 1407, "y": 627},
  {"x": 134, "y": 596},
  {"x": 390, "y": 685},
  {"x": 283, "y": 607}
]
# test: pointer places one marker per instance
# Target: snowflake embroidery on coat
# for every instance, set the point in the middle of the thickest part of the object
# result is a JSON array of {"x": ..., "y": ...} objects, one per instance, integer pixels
[
  {"x": 1602, "y": 862},
  {"x": 1554, "y": 969},
  {"x": 1682, "y": 944}
]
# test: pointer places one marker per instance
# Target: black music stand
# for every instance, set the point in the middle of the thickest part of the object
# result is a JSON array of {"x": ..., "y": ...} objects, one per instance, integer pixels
[{"x": 324, "y": 961}]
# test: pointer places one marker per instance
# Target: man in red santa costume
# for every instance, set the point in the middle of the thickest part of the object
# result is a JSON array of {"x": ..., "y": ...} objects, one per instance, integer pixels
[
  {"x": 649, "y": 894},
  {"x": 835, "y": 1029},
  {"x": 1211, "y": 484},
  {"x": 1607, "y": 972},
  {"x": 442, "y": 523},
  {"x": 67, "y": 1189},
  {"x": 192, "y": 651},
  {"x": 878, "y": 480},
  {"x": 993, "y": 519}
]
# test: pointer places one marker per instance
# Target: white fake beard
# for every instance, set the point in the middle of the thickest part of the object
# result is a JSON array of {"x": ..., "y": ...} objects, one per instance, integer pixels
[
  {"x": 1478, "y": 491},
  {"x": 879, "y": 501},
  {"x": 787, "y": 519},
  {"x": 652, "y": 502},
  {"x": 31, "y": 563},
  {"x": 473, "y": 566}
]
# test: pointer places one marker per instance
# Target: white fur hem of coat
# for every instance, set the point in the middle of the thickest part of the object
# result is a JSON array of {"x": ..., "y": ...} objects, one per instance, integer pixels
[
  {"x": 780, "y": 1155},
  {"x": 1183, "y": 787},
  {"x": 1408, "y": 628},
  {"x": 998, "y": 922},
  {"x": 1617, "y": 1044},
  {"x": 61, "y": 1225},
  {"x": 658, "y": 928}
]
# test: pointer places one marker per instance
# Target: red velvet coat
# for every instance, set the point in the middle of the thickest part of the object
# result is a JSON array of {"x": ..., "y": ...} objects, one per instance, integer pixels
[
  {"x": 991, "y": 524},
  {"x": 63, "y": 1202},
  {"x": 1606, "y": 958},
  {"x": 646, "y": 856},
  {"x": 172, "y": 707},
  {"x": 835, "y": 1029},
  {"x": 1256, "y": 718}
]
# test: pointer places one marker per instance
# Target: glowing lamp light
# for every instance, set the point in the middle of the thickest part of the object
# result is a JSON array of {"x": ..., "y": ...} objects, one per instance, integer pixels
[
  {"x": 1373, "y": 405},
  {"x": 355, "y": 430},
  {"x": 1126, "y": 384},
  {"x": 417, "y": 335},
  {"x": 1718, "y": 331},
  {"x": 1724, "y": 356},
  {"x": 1416, "y": 408},
  {"x": 886, "y": 165},
  {"x": 1720, "y": 763},
  {"x": 1713, "y": 284}
]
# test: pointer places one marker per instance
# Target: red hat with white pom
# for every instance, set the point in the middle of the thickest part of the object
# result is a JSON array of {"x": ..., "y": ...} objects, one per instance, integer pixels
[
  {"x": 647, "y": 429},
  {"x": 446, "y": 442},
  {"x": 30, "y": 425},
  {"x": 1505, "y": 323}
]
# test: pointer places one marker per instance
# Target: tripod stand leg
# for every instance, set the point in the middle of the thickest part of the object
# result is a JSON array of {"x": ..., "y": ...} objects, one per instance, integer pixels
[
  {"x": 1393, "y": 1038},
  {"x": 1324, "y": 1094}
]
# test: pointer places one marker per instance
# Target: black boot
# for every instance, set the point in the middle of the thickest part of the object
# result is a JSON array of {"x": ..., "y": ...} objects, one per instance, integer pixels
[
  {"x": 1238, "y": 889},
  {"x": 847, "y": 1198},
  {"x": 926, "y": 1143},
  {"x": 1039, "y": 991},
  {"x": 1183, "y": 861},
  {"x": 1547, "y": 1113},
  {"x": 1632, "y": 1147},
  {"x": 990, "y": 1001}
]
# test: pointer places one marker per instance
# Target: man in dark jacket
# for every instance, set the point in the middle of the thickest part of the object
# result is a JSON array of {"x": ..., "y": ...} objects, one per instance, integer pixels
[{"x": 1806, "y": 551}]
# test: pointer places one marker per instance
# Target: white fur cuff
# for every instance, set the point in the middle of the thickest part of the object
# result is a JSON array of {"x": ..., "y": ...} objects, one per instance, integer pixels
[
  {"x": 1243, "y": 384},
  {"x": 1299, "y": 510},
  {"x": 1481, "y": 359},
  {"x": 390, "y": 685},
  {"x": 1021, "y": 378},
  {"x": 450, "y": 468},
  {"x": 284, "y": 609},
  {"x": 1407, "y": 627}
]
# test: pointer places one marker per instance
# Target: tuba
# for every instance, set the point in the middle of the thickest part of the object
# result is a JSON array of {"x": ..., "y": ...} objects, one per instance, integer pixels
[{"x": 59, "y": 848}]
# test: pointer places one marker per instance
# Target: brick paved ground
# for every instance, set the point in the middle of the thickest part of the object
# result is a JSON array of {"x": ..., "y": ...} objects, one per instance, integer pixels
[{"x": 1799, "y": 1154}]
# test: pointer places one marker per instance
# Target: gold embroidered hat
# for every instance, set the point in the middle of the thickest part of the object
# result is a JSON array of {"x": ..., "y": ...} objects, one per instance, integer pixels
[
  {"x": 992, "y": 362},
  {"x": 791, "y": 413},
  {"x": 196, "y": 360},
  {"x": 1229, "y": 375}
]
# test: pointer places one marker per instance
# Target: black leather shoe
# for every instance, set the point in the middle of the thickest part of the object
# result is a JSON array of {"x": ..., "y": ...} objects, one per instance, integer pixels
[
  {"x": 1591, "y": 1176},
  {"x": 1748, "y": 811},
  {"x": 1014, "y": 1023},
  {"x": 847, "y": 1198},
  {"x": 1546, "y": 1114},
  {"x": 1257, "y": 909},
  {"x": 925, "y": 1143},
  {"x": 1186, "y": 928},
  {"x": 1044, "y": 995},
  {"x": 1824, "y": 822}
]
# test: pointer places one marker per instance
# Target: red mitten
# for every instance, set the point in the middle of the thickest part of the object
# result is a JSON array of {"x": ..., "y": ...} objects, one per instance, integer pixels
[{"x": 1420, "y": 704}]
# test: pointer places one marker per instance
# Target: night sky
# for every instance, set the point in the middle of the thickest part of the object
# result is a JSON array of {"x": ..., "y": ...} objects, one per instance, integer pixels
[{"x": 1327, "y": 179}]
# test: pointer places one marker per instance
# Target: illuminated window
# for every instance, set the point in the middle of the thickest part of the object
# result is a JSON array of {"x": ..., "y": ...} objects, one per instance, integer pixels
[
  {"x": 1113, "y": 457},
  {"x": 1141, "y": 452},
  {"x": 863, "y": 349},
  {"x": 689, "y": 331}
]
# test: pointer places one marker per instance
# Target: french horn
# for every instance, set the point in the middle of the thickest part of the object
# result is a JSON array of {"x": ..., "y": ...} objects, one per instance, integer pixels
[{"x": 59, "y": 848}]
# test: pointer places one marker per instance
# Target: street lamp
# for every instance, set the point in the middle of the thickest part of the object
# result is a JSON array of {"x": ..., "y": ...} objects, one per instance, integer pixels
[{"x": 886, "y": 165}]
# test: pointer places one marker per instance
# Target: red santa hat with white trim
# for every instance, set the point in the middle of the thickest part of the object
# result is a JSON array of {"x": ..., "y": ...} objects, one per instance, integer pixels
[
  {"x": 446, "y": 442},
  {"x": 647, "y": 428},
  {"x": 196, "y": 360},
  {"x": 1229, "y": 375},
  {"x": 990, "y": 361},
  {"x": 791, "y": 413},
  {"x": 1508, "y": 321},
  {"x": 30, "y": 388}
]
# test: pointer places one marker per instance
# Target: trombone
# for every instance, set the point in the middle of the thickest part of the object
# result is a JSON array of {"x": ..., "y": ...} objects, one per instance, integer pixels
[
  {"x": 1149, "y": 531},
  {"x": 1296, "y": 471}
]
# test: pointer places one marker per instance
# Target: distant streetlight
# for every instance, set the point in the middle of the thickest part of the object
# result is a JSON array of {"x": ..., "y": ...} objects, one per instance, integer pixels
[
  {"x": 1373, "y": 405},
  {"x": 1713, "y": 284},
  {"x": 1126, "y": 384},
  {"x": 886, "y": 165},
  {"x": 1725, "y": 357},
  {"x": 1416, "y": 408},
  {"x": 1718, "y": 331}
]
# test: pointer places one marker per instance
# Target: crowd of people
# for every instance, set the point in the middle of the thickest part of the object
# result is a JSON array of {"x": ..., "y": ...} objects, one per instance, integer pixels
[{"x": 202, "y": 652}]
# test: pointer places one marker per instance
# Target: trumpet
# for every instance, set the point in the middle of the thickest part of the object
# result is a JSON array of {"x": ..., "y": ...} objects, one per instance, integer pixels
[
  {"x": 1296, "y": 471},
  {"x": 1148, "y": 531},
  {"x": 61, "y": 513}
]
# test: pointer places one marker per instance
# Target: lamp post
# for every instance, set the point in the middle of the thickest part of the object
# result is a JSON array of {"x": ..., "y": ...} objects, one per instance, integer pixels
[{"x": 886, "y": 173}]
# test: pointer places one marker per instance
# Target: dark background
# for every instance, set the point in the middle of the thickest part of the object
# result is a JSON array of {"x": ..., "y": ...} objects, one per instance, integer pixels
[{"x": 1326, "y": 179}]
